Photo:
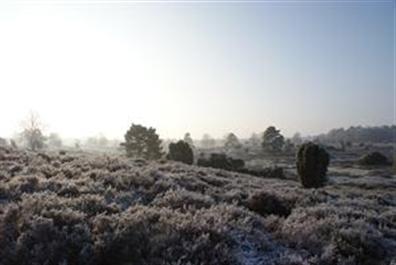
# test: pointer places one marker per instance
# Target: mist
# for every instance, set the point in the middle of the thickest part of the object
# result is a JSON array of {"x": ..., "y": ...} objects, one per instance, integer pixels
[{"x": 91, "y": 69}]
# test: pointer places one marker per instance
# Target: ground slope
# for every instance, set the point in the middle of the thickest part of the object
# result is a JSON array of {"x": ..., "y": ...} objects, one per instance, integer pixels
[{"x": 96, "y": 209}]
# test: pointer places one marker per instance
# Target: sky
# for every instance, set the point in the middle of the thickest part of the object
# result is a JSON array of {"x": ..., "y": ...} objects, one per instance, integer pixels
[{"x": 94, "y": 67}]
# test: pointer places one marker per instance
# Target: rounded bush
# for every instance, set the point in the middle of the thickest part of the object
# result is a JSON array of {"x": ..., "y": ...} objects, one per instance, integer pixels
[
  {"x": 374, "y": 159},
  {"x": 312, "y": 163},
  {"x": 182, "y": 152}
]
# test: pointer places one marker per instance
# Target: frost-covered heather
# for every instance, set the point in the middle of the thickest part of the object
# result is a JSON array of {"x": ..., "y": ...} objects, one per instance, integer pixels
[{"x": 95, "y": 209}]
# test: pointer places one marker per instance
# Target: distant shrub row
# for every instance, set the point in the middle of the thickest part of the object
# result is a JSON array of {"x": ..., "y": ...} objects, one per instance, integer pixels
[
  {"x": 312, "y": 160},
  {"x": 221, "y": 161}
]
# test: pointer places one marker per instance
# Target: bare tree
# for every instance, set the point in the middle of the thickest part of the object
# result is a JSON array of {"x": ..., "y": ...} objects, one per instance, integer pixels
[
  {"x": 32, "y": 132},
  {"x": 232, "y": 142}
]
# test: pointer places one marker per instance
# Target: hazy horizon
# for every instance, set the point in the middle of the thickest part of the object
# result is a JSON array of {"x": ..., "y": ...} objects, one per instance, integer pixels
[{"x": 96, "y": 67}]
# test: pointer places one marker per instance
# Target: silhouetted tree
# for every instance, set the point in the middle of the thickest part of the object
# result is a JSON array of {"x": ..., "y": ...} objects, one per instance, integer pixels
[
  {"x": 182, "y": 152},
  {"x": 142, "y": 142},
  {"x": 232, "y": 142},
  {"x": 188, "y": 139},
  {"x": 273, "y": 141}
]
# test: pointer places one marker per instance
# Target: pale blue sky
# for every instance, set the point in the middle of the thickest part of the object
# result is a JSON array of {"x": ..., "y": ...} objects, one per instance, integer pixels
[{"x": 91, "y": 68}]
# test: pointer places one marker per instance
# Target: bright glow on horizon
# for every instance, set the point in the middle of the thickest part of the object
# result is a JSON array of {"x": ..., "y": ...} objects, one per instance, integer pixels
[{"x": 195, "y": 68}]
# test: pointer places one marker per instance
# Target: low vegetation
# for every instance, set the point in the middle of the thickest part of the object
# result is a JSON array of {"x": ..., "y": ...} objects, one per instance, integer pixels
[{"x": 80, "y": 208}]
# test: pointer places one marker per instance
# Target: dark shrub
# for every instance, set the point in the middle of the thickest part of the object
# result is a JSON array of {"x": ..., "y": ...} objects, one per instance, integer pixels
[
  {"x": 270, "y": 172},
  {"x": 182, "y": 152},
  {"x": 374, "y": 159},
  {"x": 221, "y": 161},
  {"x": 312, "y": 162},
  {"x": 266, "y": 203},
  {"x": 203, "y": 161},
  {"x": 237, "y": 164},
  {"x": 276, "y": 172}
]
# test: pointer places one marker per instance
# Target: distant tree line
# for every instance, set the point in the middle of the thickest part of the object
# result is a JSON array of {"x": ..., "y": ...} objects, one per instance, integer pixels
[{"x": 359, "y": 134}]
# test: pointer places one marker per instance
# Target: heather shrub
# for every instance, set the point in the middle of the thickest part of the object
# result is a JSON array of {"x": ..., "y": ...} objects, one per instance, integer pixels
[
  {"x": 44, "y": 243},
  {"x": 362, "y": 244},
  {"x": 181, "y": 198},
  {"x": 346, "y": 231},
  {"x": 374, "y": 159},
  {"x": 9, "y": 230},
  {"x": 312, "y": 162},
  {"x": 153, "y": 235},
  {"x": 23, "y": 184},
  {"x": 266, "y": 203},
  {"x": 35, "y": 240},
  {"x": 182, "y": 152}
]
